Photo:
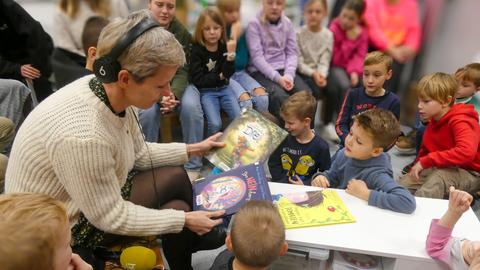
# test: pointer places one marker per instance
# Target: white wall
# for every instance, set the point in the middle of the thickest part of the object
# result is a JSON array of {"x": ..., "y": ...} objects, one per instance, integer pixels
[{"x": 457, "y": 38}]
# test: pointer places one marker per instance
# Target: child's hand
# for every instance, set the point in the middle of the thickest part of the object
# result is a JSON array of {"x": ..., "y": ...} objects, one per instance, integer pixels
[
  {"x": 319, "y": 79},
  {"x": 406, "y": 52},
  {"x": 296, "y": 180},
  {"x": 396, "y": 54},
  {"x": 358, "y": 188},
  {"x": 231, "y": 45},
  {"x": 354, "y": 79},
  {"x": 320, "y": 181},
  {"x": 29, "y": 72},
  {"x": 236, "y": 30},
  {"x": 286, "y": 83},
  {"x": 459, "y": 201},
  {"x": 168, "y": 103},
  {"x": 415, "y": 171}
]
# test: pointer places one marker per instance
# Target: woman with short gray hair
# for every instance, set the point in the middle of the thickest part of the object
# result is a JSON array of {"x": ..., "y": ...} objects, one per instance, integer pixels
[{"x": 83, "y": 146}]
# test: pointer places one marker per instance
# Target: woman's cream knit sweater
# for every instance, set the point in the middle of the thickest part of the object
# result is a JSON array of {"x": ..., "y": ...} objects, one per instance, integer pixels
[{"x": 73, "y": 148}]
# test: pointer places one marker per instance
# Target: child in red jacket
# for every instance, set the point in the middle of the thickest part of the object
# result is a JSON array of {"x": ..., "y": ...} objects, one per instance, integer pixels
[{"x": 449, "y": 154}]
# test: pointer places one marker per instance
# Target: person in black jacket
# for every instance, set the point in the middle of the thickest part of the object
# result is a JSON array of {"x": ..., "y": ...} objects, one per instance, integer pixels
[
  {"x": 25, "y": 48},
  {"x": 212, "y": 62}
]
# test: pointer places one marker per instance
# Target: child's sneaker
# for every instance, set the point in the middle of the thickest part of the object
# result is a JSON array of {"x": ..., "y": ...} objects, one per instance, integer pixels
[
  {"x": 405, "y": 145},
  {"x": 330, "y": 134}
]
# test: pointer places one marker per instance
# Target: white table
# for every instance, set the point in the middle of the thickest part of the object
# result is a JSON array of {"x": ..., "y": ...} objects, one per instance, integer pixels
[{"x": 380, "y": 232}]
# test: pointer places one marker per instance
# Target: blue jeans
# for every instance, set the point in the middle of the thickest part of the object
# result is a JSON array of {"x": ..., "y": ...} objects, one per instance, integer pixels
[
  {"x": 241, "y": 83},
  {"x": 214, "y": 99},
  {"x": 150, "y": 122},
  {"x": 420, "y": 127},
  {"x": 191, "y": 119}
]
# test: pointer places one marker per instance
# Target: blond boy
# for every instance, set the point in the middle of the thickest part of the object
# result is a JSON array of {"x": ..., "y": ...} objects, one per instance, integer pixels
[
  {"x": 468, "y": 78},
  {"x": 35, "y": 234},
  {"x": 449, "y": 154},
  {"x": 376, "y": 71},
  {"x": 256, "y": 239},
  {"x": 303, "y": 153}
]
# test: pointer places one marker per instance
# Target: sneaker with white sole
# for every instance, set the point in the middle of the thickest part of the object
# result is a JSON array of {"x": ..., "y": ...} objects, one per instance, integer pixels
[{"x": 330, "y": 134}]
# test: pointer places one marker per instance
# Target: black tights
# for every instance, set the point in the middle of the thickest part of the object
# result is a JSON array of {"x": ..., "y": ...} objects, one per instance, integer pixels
[{"x": 165, "y": 188}]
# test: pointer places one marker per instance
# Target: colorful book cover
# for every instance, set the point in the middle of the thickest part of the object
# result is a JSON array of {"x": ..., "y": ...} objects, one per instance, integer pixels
[
  {"x": 231, "y": 189},
  {"x": 312, "y": 208},
  {"x": 249, "y": 138}
]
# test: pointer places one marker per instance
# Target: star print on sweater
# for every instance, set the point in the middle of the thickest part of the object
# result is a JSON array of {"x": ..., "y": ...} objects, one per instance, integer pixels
[
  {"x": 206, "y": 67},
  {"x": 211, "y": 64}
]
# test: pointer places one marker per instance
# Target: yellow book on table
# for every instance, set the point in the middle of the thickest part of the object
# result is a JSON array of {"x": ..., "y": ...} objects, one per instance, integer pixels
[{"x": 312, "y": 208}]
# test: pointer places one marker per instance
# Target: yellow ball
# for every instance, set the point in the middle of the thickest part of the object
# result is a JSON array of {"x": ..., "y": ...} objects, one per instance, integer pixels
[{"x": 138, "y": 258}]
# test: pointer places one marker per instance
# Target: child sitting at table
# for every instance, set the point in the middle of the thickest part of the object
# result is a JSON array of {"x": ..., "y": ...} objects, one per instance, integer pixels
[
  {"x": 303, "y": 152},
  {"x": 256, "y": 239},
  {"x": 363, "y": 168},
  {"x": 458, "y": 253}
]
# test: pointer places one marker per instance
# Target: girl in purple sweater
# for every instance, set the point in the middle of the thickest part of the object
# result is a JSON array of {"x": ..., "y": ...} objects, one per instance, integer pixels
[{"x": 273, "y": 54}]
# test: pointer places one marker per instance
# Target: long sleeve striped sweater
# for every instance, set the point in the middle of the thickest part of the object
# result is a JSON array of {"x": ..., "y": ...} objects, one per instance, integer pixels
[{"x": 73, "y": 148}]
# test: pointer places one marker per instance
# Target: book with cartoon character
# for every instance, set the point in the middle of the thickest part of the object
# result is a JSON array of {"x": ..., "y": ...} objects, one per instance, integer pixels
[
  {"x": 230, "y": 190},
  {"x": 312, "y": 208},
  {"x": 249, "y": 138}
]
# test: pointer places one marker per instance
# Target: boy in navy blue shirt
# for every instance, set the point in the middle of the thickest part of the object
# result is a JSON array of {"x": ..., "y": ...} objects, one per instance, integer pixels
[
  {"x": 364, "y": 169},
  {"x": 303, "y": 152},
  {"x": 377, "y": 69}
]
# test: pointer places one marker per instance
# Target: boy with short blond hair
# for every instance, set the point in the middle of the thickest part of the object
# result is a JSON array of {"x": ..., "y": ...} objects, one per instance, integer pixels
[
  {"x": 363, "y": 168},
  {"x": 256, "y": 239},
  {"x": 36, "y": 227},
  {"x": 377, "y": 69},
  {"x": 450, "y": 153},
  {"x": 468, "y": 78},
  {"x": 302, "y": 153}
]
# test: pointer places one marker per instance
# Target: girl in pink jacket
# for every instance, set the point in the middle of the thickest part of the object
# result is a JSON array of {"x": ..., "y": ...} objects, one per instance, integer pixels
[{"x": 459, "y": 254}]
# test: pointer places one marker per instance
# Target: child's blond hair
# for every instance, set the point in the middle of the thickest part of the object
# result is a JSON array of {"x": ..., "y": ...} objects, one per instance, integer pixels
[
  {"x": 299, "y": 105},
  {"x": 30, "y": 227},
  {"x": 382, "y": 125},
  {"x": 257, "y": 234},
  {"x": 378, "y": 57},
  {"x": 214, "y": 14},
  {"x": 228, "y": 5},
  {"x": 469, "y": 73},
  {"x": 438, "y": 86},
  {"x": 25, "y": 246}
]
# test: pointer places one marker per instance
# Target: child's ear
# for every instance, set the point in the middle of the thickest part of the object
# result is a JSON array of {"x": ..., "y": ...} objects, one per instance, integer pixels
[
  {"x": 377, "y": 151},
  {"x": 228, "y": 243},
  {"x": 389, "y": 74},
  {"x": 449, "y": 100},
  {"x": 477, "y": 88},
  {"x": 307, "y": 121},
  {"x": 284, "y": 249}
]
